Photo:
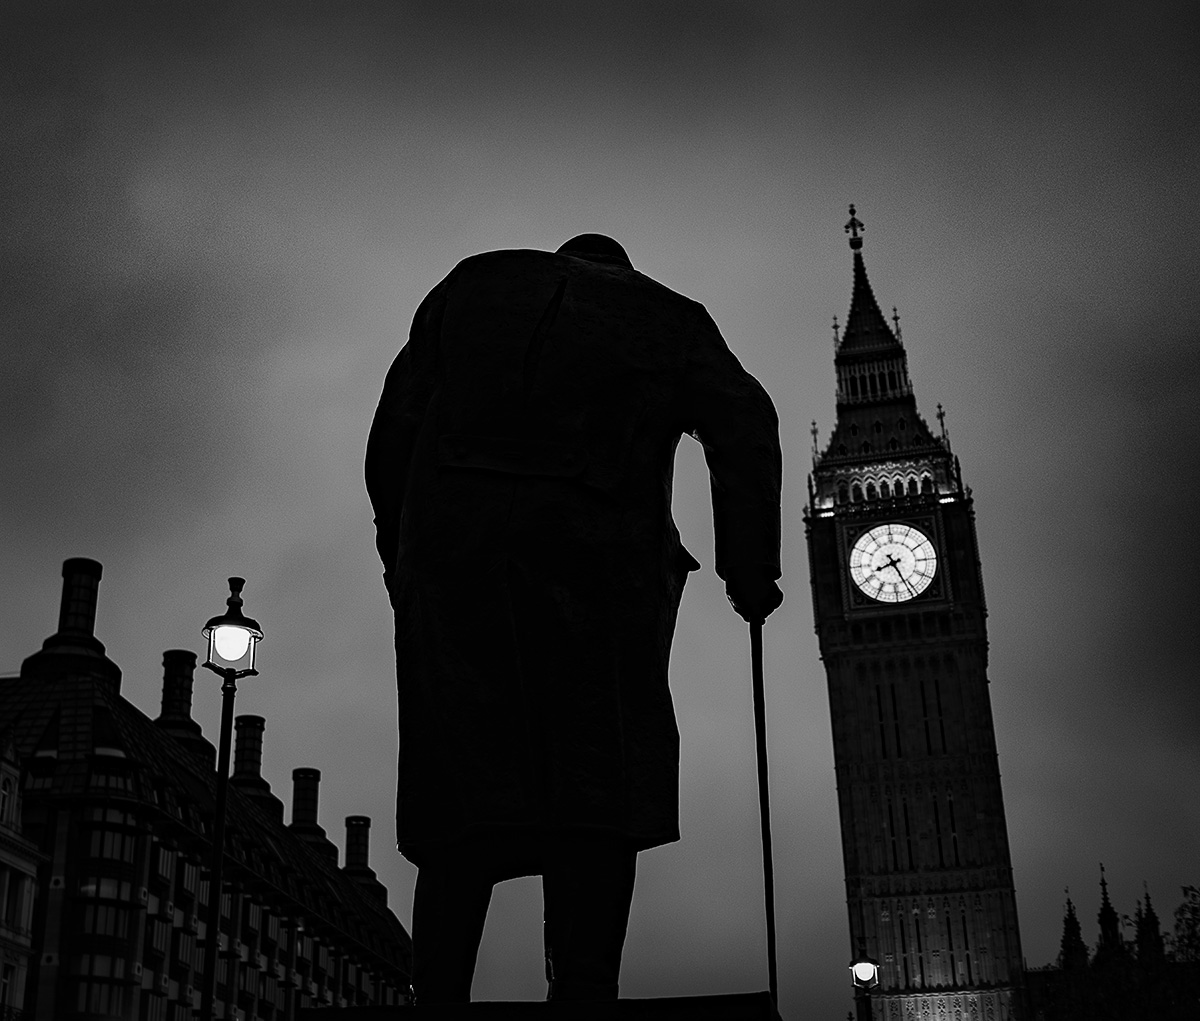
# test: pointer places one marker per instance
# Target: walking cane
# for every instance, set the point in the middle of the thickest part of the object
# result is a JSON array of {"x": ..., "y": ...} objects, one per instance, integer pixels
[{"x": 764, "y": 801}]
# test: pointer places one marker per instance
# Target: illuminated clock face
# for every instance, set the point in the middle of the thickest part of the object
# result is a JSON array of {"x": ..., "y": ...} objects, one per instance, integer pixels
[{"x": 893, "y": 562}]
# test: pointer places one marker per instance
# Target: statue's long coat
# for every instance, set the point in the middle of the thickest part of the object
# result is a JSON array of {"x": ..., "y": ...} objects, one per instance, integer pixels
[{"x": 520, "y": 467}]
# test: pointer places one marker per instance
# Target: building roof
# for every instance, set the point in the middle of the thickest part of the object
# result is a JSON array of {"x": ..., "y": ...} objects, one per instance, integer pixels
[
  {"x": 73, "y": 727},
  {"x": 866, "y": 330}
]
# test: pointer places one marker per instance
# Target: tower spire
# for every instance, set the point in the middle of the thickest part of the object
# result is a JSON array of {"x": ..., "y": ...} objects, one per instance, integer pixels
[
  {"x": 866, "y": 329},
  {"x": 1110, "y": 923}
]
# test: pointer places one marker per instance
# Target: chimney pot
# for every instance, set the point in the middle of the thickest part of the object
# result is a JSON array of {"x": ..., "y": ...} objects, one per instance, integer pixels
[
  {"x": 247, "y": 757},
  {"x": 179, "y": 667},
  {"x": 358, "y": 841},
  {"x": 306, "y": 782},
  {"x": 81, "y": 583}
]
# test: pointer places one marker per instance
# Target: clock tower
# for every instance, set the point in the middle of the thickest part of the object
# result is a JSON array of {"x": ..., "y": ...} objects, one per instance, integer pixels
[{"x": 902, "y": 628}]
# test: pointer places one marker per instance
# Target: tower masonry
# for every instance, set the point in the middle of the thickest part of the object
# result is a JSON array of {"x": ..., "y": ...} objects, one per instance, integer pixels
[{"x": 901, "y": 623}]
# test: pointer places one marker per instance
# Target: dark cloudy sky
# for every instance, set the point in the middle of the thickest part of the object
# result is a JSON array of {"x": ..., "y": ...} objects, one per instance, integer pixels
[{"x": 218, "y": 219}]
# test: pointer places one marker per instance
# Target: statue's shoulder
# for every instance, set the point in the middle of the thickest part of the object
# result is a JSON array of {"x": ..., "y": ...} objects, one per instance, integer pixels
[{"x": 511, "y": 266}]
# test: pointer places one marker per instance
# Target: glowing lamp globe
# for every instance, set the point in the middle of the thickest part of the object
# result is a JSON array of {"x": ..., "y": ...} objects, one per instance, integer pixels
[
  {"x": 230, "y": 642},
  {"x": 232, "y": 636}
]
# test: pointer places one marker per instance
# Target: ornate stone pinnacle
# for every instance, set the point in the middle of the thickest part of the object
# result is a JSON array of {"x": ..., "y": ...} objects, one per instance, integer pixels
[{"x": 852, "y": 228}]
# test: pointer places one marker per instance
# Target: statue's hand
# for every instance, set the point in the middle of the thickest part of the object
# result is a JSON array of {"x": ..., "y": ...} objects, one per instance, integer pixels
[{"x": 753, "y": 594}]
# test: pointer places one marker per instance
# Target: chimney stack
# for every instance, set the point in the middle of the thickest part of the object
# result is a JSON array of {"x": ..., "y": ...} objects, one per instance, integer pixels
[
  {"x": 74, "y": 650},
  {"x": 247, "y": 748},
  {"x": 306, "y": 782},
  {"x": 179, "y": 666},
  {"x": 247, "y": 765},
  {"x": 358, "y": 841},
  {"x": 81, "y": 582},
  {"x": 358, "y": 852}
]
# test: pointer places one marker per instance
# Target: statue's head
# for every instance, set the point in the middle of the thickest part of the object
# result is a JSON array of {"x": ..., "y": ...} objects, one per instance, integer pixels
[{"x": 599, "y": 247}]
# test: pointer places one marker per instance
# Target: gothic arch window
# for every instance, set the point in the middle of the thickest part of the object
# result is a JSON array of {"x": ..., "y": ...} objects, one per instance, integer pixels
[
  {"x": 856, "y": 492},
  {"x": 884, "y": 491},
  {"x": 5, "y": 798},
  {"x": 843, "y": 493},
  {"x": 893, "y": 444},
  {"x": 866, "y": 448},
  {"x": 877, "y": 426},
  {"x": 892, "y": 378},
  {"x": 912, "y": 487},
  {"x": 853, "y": 386},
  {"x": 853, "y": 428},
  {"x": 926, "y": 484},
  {"x": 871, "y": 491},
  {"x": 874, "y": 384},
  {"x": 902, "y": 425}
]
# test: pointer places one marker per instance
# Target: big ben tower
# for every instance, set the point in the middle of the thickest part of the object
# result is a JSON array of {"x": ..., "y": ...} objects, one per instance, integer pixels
[{"x": 902, "y": 628}]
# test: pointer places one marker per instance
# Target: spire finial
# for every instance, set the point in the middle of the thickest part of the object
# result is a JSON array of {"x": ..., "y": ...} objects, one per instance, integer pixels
[
  {"x": 814, "y": 436},
  {"x": 896, "y": 320},
  {"x": 835, "y": 333},
  {"x": 852, "y": 228}
]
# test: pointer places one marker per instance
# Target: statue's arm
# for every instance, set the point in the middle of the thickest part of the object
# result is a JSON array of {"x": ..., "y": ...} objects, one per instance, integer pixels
[
  {"x": 406, "y": 394},
  {"x": 727, "y": 410}
]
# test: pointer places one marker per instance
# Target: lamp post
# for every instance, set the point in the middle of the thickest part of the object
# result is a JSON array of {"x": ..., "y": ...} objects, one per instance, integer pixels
[
  {"x": 232, "y": 638},
  {"x": 864, "y": 973}
]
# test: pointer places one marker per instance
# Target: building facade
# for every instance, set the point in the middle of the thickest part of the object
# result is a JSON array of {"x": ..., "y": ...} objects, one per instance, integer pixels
[
  {"x": 113, "y": 848},
  {"x": 19, "y": 861},
  {"x": 901, "y": 623}
]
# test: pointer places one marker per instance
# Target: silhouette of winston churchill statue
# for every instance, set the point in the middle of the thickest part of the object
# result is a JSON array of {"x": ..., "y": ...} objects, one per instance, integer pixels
[{"x": 520, "y": 467}]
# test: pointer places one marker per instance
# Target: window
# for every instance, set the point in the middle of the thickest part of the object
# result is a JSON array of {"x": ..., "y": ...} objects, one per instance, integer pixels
[
  {"x": 166, "y": 861},
  {"x": 912, "y": 487},
  {"x": 5, "y": 798},
  {"x": 154, "y": 1007},
  {"x": 101, "y": 984},
  {"x": 856, "y": 492},
  {"x": 877, "y": 427},
  {"x": 106, "y": 920},
  {"x": 884, "y": 491},
  {"x": 853, "y": 386},
  {"x": 866, "y": 448},
  {"x": 892, "y": 378},
  {"x": 160, "y": 935},
  {"x": 113, "y": 844},
  {"x": 926, "y": 484},
  {"x": 871, "y": 491},
  {"x": 843, "y": 493},
  {"x": 104, "y": 888}
]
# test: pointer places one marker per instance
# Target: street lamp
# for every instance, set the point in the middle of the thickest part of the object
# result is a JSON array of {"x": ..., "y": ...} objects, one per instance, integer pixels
[
  {"x": 232, "y": 638},
  {"x": 864, "y": 973}
]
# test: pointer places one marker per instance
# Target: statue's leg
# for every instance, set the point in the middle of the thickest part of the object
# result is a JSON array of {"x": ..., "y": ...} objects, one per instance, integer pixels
[
  {"x": 587, "y": 890},
  {"x": 450, "y": 907}
]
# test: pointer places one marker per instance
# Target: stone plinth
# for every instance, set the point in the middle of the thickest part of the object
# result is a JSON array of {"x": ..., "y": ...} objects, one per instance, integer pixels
[{"x": 731, "y": 1007}]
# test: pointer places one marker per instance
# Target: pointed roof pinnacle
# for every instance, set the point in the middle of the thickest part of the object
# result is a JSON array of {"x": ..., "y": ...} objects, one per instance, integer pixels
[{"x": 865, "y": 327}]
